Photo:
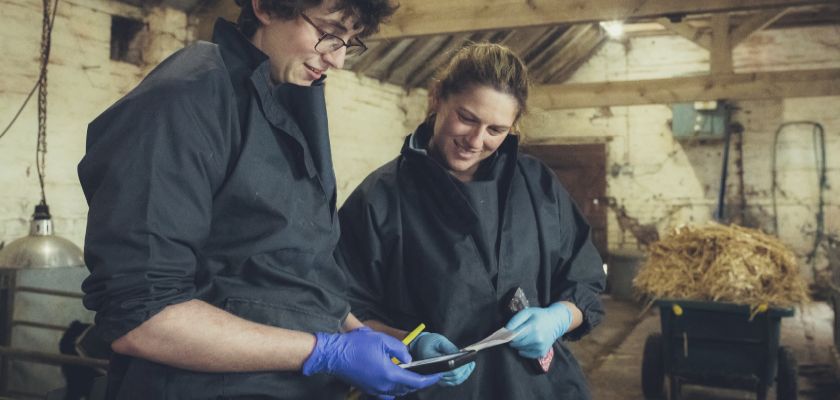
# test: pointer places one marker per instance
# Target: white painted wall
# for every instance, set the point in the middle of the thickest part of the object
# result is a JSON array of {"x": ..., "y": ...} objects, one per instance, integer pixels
[
  {"x": 368, "y": 119},
  {"x": 82, "y": 82},
  {"x": 368, "y": 122},
  {"x": 664, "y": 182}
]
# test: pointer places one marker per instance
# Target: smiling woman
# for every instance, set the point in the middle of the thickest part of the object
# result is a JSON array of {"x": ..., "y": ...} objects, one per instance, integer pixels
[
  {"x": 459, "y": 219},
  {"x": 474, "y": 103},
  {"x": 469, "y": 127}
]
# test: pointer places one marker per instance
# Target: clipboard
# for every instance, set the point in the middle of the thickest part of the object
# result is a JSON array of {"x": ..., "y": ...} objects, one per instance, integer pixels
[
  {"x": 451, "y": 361},
  {"x": 442, "y": 363}
]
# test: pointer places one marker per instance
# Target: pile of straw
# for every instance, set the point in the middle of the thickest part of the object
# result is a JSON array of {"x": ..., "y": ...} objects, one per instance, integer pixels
[{"x": 722, "y": 263}]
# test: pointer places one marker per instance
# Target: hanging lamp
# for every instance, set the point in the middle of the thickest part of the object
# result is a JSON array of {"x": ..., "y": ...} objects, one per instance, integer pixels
[{"x": 42, "y": 248}]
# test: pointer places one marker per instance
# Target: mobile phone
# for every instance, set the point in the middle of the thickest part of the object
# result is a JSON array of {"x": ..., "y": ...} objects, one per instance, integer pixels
[{"x": 440, "y": 364}]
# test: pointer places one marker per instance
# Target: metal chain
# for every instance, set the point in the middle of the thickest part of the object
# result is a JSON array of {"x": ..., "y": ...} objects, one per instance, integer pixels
[{"x": 41, "y": 149}]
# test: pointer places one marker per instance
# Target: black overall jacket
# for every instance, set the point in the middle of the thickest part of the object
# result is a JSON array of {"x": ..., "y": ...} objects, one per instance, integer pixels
[
  {"x": 207, "y": 182},
  {"x": 414, "y": 250}
]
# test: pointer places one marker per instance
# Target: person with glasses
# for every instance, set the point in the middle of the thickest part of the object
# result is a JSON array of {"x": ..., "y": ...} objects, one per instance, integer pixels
[
  {"x": 212, "y": 219},
  {"x": 460, "y": 223}
]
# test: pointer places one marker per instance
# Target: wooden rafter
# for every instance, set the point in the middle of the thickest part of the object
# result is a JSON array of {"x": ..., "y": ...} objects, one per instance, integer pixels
[
  {"x": 720, "y": 59},
  {"x": 576, "y": 51},
  {"x": 755, "y": 23},
  {"x": 546, "y": 55},
  {"x": 426, "y": 69},
  {"x": 687, "y": 31},
  {"x": 522, "y": 40},
  {"x": 404, "y": 56},
  {"x": 404, "y": 65},
  {"x": 431, "y": 17},
  {"x": 372, "y": 56},
  {"x": 748, "y": 86},
  {"x": 580, "y": 54}
]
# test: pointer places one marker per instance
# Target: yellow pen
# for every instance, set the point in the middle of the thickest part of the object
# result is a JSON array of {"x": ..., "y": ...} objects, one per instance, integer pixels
[
  {"x": 408, "y": 338},
  {"x": 355, "y": 393}
]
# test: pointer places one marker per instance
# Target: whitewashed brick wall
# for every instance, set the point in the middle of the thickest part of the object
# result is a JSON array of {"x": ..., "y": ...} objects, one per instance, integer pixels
[
  {"x": 368, "y": 119},
  {"x": 664, "y": 182},
  {"x": 82, "y": 82},
  {"x": 368, "y": 122}
]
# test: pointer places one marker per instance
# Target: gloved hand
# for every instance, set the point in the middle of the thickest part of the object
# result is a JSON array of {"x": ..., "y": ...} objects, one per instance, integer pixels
[
  {"x": 429, "y": 345},
  {"x": 538, "y": 328},
  {"x": 362, "y": 358}
]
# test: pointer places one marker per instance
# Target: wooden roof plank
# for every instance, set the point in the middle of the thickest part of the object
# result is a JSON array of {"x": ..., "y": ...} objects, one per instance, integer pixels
[
  {"x": 742, "y": 86},
  {"x": 427, "y": 68},
  {"x": 584, "y": 52},
  {"x": 687, "y": 31},
  {"x": 756, "y": 23},
  {"x": 430, "y": 17},
  {"x": 555, "y": 60},
  {"x": 720, "y": 59}
]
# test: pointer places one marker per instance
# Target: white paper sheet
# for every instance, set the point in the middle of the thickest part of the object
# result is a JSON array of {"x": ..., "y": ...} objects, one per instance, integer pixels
[{"x": 501, "y": 336}]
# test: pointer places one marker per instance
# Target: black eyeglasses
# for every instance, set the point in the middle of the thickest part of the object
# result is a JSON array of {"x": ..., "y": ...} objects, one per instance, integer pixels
[{"x": 329, "y": 43}]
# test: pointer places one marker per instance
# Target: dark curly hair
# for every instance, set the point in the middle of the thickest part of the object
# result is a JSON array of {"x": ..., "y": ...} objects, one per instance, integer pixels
[{"x": 367, "y": 13}]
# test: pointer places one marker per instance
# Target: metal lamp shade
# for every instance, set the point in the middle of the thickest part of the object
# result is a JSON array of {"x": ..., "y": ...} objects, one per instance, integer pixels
[{"x": 41, "y": 248}]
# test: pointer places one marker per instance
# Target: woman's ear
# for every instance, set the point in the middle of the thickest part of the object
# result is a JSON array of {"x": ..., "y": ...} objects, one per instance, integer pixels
[{"x": 263, "y": 16}]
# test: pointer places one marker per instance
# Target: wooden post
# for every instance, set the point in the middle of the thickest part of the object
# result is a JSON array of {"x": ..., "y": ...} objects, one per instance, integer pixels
[{"x": 721, "y": 55}]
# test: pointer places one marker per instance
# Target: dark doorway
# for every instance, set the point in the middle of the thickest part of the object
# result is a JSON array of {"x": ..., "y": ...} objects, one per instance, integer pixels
[{"x": 581, "y": 169}]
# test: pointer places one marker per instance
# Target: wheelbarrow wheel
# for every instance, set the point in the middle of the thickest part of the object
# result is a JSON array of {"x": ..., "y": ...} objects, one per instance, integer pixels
[
  {"x": 653, "y": 368},
  {"x": 786, "y": 385}
]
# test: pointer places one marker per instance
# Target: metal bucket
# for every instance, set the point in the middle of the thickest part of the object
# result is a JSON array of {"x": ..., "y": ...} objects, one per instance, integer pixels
[{"x": 622, "y": 266}]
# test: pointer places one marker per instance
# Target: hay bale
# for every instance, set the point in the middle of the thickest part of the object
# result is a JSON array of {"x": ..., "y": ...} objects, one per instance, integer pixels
[{"x": 722, "y": 263}]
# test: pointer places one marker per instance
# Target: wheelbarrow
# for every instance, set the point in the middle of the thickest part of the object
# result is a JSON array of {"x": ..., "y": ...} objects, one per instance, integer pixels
[{"x": 718, "y": 344}]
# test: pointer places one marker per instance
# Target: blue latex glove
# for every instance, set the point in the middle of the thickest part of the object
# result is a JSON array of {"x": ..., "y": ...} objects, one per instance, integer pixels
[
  {"x": 429, "y": 345},
  {"x": 362, "y": 358},
  {"x": 538, "y": 328}
]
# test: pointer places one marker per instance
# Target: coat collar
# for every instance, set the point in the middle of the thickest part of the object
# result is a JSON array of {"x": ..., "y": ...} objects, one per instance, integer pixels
[
  {"x": 416, "y": 146},
  {"x": 441, "y": 185},
  {"x": 296, "y": 111}
]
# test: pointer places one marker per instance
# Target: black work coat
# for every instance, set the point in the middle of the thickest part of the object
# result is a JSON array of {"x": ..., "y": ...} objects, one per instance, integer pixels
[
  {"x": 207, "y": 182},
  {"x": 409, "y": 242}
]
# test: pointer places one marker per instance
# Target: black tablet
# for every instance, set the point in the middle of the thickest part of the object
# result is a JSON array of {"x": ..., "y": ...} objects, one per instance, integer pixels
[{"x": 440, "y": 364}]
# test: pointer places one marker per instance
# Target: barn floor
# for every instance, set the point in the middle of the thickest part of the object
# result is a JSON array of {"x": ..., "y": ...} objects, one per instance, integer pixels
[{"x": 612, "y": 354}]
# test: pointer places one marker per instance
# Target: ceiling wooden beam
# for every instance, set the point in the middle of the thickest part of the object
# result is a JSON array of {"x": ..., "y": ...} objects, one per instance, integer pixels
[
  {"x": 581, "y": 55},
  {"x": 569, "y": 57},
  {"x": 430, "y": 17},
  {"x": 423, "y": 71},
  {"x": 745, "y": 86},
  {"x": 523, "y": 40},
  {"x": 720, "y": 59},
  {"x": 687, "y": 31},
  {"x": 404, "y": 57},
  {"x": 756, "y": 23},
  {"x": 400, "y": 70},
  {"x": 545, "y": 58}
]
